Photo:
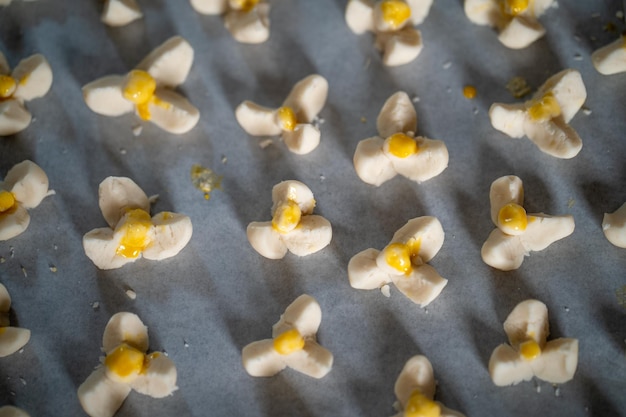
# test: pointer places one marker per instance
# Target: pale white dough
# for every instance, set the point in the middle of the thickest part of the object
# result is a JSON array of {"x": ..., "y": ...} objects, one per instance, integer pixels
[
  {"x": 9, "y": 410},
  {"x": 246, "y": 26},
  {"x": 12, "y": 339},
  {"x": 614, "y": 226},
  {"x": 611, "y": 58},
  {"x": 120, "y": 12}
]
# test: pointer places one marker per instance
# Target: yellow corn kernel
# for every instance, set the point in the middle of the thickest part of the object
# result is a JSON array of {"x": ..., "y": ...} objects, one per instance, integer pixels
[
  {"x": 469, "y": 92},
  {"x": 7, "y": 86},
  {"x": 288, "y": 342},
  {"x": 124, "y": 363},
  {"x": 515, "y": 7},
  {"x": 243, "y": 5},
  {"x": 544, "y": 109},
  {"x": 529, "y": 350},
  {"x": 402, "y": 145},
  {"x": 7, "y": 201},
  {"x": 512, "y": 217},
  {"x": 286, "y": 118},
  {"x": 398, "y": 256},
  {"x": 395, "y": 12},
  {"x": 286, "y": 217},
  {"x": 419, "y": 405},
  {"x": 135, "y": 238}
]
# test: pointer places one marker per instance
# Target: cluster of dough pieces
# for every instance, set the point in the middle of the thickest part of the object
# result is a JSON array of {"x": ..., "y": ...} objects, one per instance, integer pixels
[{"x": 132, "y": 233}]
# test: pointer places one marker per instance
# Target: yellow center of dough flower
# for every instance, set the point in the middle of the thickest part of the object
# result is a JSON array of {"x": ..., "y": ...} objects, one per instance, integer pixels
[
  {"x": 286, "y": 118},
  {"x": 545, "y": 108},
  {"x": 7, "y": 86},
  {"x": 402, "y": 145},
  {"x": 124, "y": 363},
  {"x": 135, "y": 237},
  {"x": 7, "y": 201},
  {"x": 395, "y": 13},
  {"x": 398, "y": 256},
  {"x": 512, "y": 219},
  {"x": 419, "y": 405},
  {"x": 139, "y": 89},
  {"x": 529, "y": 350},
  {"x": 243, "y": 5},
  {"x": 286, "y": 217},
  {"x": 515, "y": 7},
  {"x": 289, "y": 342}
]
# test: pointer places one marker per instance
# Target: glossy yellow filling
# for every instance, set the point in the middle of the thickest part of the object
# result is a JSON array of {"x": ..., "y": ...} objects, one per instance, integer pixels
[
  {"x": 244, "y": 5},
  {"x": 289, "y": 342},
  {"x": 139, "y": 89},
  {"x": 7, "y": 201},
  {"x": 401, "y": 145},
  {"x": 286, "y": 118},
  {"x": 286, "y": 217},
  {"x": 545, "y": 108},
  {"x": 419, "y": 405},
  {"x": 135, "y": 229},
  {"x": 469, "y": 92},
  {"x": 512, "y": 217},
  {"x": 529, "y": 350},
  {"x": 395, "y": 13},
  {"x": 515, "y": 7},
  {"x": 398, "y": 256},
  {"x": 124, "y": 362},
  {"x": 7, "y": 86}
]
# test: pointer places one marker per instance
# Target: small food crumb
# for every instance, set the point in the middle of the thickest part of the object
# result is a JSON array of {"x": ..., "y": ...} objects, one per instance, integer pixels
[
  {"x": 185, "y": 343},
  {"x": 95, "y": 305},
  {"x": 131, "y": 294},
  {"x": 122, "y": 151},
  {"x": 322, "y": 177},
  {"x": 12, "y": 251},
  {"x": 620, "y": 293},
  {"x": 557, "y": 391},
  {"x": 570, "y": 203},
  {"x": 137, "y": 130},
  {"x": 53, "y": 268},
  {"x": 475, "y": 110},
  {"x": 447, "y": 65},
  {"x": 204, "y": 179},
  {"x": 578, "y": 57},
  {"x": 586, "y": 111},
  {"x": 469, "y": 92},
  {"x": 385, "y": 290},
  {"x": 265, "y": 143},
  {"x": 153, "y": 198},
  {"x": 23, "y": 381},
  {"x": 415, "y": 99},
  {"x": 363, "y": 119},
  {"x": 518, "y": 87},
  {"x": 24, "y": 271},
  {"x": 224, "y": 159},
  {"x": 2, "y": 260},
  {"x": 566, "y": 309},
  {"x": 619, "y": 14}
]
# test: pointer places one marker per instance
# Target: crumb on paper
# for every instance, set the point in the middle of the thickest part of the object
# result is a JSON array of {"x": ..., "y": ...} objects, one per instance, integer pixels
[
  {"x": 122, "y": 151},
  {"x": 475, "y": 110},
  {"x": 449, "y": 90},
  {"x": 620, "y": 293},
  {"x": 570, "y": 203},
  {"x": 586, "y": 111},
  {"x": 153, "y": 198},
  {"x": 2, "y": 260},
  {"x": 131, "y": 294},
  {"x": 205, "y": 180},
  {"x": 265, "y": 143},
  {"x": 224, "y": 159},
  {"x": 53, "y": 268},
  {"x": 23, "y": 381},
  {"x": 415, "y": 99},
  {"x": 137, "y": 130},
  {"x": 518, "y": 87},
  {"x": 469, "y": 92},
  {"x": 557, "y": 391},
  {"x": 185, "y": 343},
  {"x": 578, "y": 57},
  {"x": 12, "y": 251},
  {"x": 385, "y": 290},
  {"x": 55, "y": 247},
  {"x": 95, "y": 305},
  {"x": 322, "y": 177},
  {"x": 566, "y": 309},
  {"x": 24, "y": 271},
  {"x": 363, "y": 119},
  {"x": 619, "y": 14},
  {"x": 447, "y": 65}
]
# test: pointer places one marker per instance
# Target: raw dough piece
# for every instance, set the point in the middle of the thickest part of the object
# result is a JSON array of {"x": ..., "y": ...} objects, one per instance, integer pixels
[
  {"x": 132, "y": 233},
  {"x": 544, "y": 119},
  {"x": 293, "y": 120},
  {"x": 30, "y": 79},
  {"x": 611, "y": 59},
  {"x": 528, "y": 354},
  {"x": 515, "y": 20},
  {"x": 148, "y": 89},
  {"x": 293, "y": 227},
  {"x": 9, "y": 410},
  {"x": 403, "y": 262},
  {"x": 247, "y": 20},
  {"x": 24, "y": 187},
  {"x": 415, "y": 390},
  {"x": 392, "y": 23},
  {"x": 293, "y": 345},
  {"x": 614, "y": 226},
  {"x": 120, "y": 12},
  {"x": 126, "y": 367},
  {"x": 397, "y": 150},
  {"x": 12, "y": 339}
]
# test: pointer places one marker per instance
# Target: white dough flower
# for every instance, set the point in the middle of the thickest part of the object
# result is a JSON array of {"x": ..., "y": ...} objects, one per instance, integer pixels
[
  {"x": 293, "y": 344},
  {"x": 23, "y": 188},
  {"x": 132, "y": 232},
  {"x": 611, "y": 58},
  {"x": 12, "y": 339},
  {"x": 518, "y": 233},
  {"x": 293, "y": 119},
  {"x": 392, "y": 23},
  {"x": 397, "y": 150},
  {"x": 544, "y": 118},
  {"x": 30, "y": 79},
  {"x": 528, "y": 354},
  {"x": 516, "y": 20},
  {"x": 415, "y": 390},
  {"x": 403, "y": 262},
  {"x": 614, "y": 226},
  {"x": 293, "y": 227},
  {"x": 126, "y": 367},
  {"x": 120, "y": 12},
  {"x": 247, "y": 20},
  {"x": 9, "y": 410},
  {"x": 148, "y": 89}
]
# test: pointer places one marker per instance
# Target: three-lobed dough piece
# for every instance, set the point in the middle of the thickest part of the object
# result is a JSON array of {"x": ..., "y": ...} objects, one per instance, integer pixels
[
  {"x": 611, "y": 58},
  {"x": 528, "y": 354},
  {"x": 23, "y": 188},
  {"x": 120, "y": 12},
  {"x": 293, "y": 120},
  {"x": 31, "y": 79},
  {"x": 293, "y": 344},
  {"x": 126, "y": 367},
  {"x": 132, "y": 233},
  {"x": 397, "y": 150},
  {"x": 148, "y": 89},
  {"x": 293, "y": 227},
  {"x": 404, "y": 262},
  {"x": 515, "y": 20},
  {"x": 247, "y": 20},
  {"x": 415, "y": 390},
  {"x": 518, "y": 233},
  {"x": 12, "y": 339},
  {"x": 614, "y": 226},
  {"x": 544, "y": 118},
  {"x": 392, "y": 22}
]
